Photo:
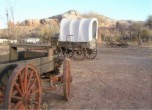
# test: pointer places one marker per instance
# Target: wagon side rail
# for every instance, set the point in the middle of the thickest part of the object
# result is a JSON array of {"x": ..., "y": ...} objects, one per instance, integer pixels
[{"x": 44, "y": 64}]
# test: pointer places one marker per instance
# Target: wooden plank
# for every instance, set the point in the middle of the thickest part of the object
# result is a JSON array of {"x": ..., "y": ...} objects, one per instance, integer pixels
[
  {"x": 50, "y": 51},
  {"x": 46, "y": 67},
  {"x": 32, "y": 45},
  {"x": 44, "y": 64}
]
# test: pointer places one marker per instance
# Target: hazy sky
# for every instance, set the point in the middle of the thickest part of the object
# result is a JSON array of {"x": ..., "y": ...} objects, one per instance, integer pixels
[{"x": 116, "y": 9}]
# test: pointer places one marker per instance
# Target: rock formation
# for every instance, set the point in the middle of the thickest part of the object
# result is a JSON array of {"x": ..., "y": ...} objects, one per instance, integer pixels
[
  {"x": 72, "y": 14},
  {"x": 31, "y": 22},
  {"x": 51, "y": 20}
]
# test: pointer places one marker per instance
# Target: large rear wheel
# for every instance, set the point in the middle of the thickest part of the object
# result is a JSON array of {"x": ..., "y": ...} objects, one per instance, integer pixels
[{"x": 23, "y": 89}]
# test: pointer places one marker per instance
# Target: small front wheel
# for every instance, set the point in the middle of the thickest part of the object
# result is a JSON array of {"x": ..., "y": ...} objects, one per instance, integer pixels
[
  {"x": 91, "y": 53},
  {"x": 79, "y": 52},
  {"x": 69, "y": 52},
  {"x": 67, "y": 79}
]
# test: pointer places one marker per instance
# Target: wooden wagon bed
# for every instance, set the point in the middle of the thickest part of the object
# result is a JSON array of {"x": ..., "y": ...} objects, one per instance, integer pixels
[{"x": 22, "y": 74}]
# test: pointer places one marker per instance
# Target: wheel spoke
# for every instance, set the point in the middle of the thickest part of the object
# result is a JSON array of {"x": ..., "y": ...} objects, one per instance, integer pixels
[
  {"x": 21, "y": 107},
  {"x": 31, "y": 86},
  {"x": 21, "y": 82},
  {"x": 28, "y": 107},
  {"x": 17, "y": 97},
  {"x": 35, "y": 91},
  {"x": 25, "y": 79},
  {"x": 18, "y": 89},
  {"x": 35, "y": 102},
  {"x": 18, "y": 105},
  {"x": 25, "y": 107},
  {"x": 29, "y": 79}
]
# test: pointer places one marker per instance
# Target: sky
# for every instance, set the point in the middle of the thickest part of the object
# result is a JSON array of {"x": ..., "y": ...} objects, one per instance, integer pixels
[{"x": 138, "y": 10}]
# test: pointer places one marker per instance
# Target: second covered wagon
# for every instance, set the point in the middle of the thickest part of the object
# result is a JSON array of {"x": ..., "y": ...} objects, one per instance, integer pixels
[{"x": 78, "y": 38}]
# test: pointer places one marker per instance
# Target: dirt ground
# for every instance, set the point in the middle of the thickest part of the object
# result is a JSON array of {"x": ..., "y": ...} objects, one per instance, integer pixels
[{"x": 118, "y": 78}]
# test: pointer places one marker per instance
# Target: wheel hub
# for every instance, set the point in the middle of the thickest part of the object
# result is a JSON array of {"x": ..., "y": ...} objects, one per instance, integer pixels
[
  {"x": 26, "y": 99},
  {"x": 78, "y": 52},
  {"x": 90, "y": 52}
]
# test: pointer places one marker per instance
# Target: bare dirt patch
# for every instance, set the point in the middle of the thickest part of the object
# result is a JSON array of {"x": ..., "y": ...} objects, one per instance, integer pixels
[{"x": 119, "y": 78}]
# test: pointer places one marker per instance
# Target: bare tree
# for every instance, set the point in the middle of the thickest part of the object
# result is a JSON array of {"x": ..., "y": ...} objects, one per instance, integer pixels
[
  {"x": 10, "y": 14},
  {"x": 7, "y": 22}
]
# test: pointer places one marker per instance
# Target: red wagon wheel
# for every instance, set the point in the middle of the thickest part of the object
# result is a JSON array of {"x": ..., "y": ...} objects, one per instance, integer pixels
[
  {"x": 67, "y": 79},
  {"x": 23, "y": 89}
]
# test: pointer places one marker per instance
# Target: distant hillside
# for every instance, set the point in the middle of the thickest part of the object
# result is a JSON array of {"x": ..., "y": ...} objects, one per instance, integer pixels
[
  {"x": 45, "y": 26},
  {"x": 103, "y": 20},
  {"x": 72, "y": 14},
  {"x": 51, "y": 20}
]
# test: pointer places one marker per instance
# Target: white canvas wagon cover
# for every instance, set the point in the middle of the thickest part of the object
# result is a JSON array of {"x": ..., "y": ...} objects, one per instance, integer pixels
[{"x": 82, "y": 30}]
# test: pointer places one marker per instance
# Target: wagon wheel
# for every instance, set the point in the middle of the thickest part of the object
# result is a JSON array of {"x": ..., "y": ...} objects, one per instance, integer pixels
[
  {"x": 23, "y": 90},
  {"x": 4, "y": 76},
  {"x": 67, "y": 79},
  {"x": 79, "y": 52},
  {"x": 69, "y": 52},
  {"x": 91, "y": 53}
]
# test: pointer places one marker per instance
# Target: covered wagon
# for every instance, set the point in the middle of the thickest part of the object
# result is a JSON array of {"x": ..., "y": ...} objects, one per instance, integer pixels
[{"x": 78, "y": 38}]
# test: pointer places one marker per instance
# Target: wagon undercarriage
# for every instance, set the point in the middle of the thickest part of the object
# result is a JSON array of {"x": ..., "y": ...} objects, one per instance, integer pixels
[{"x": 78, "y": 51}]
